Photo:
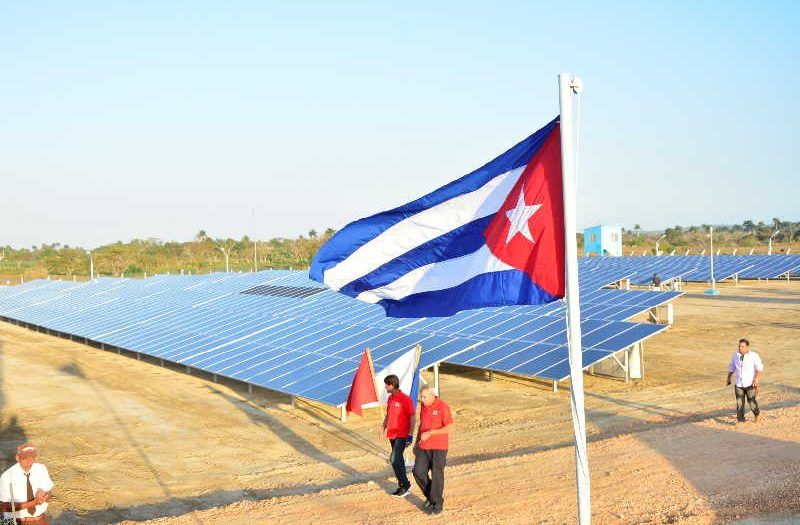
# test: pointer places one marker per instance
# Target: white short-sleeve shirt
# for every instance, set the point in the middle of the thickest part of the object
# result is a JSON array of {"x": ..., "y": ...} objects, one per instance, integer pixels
[
  {"x": 14, "y": 485},
  {"x": 745, "y": 367}
]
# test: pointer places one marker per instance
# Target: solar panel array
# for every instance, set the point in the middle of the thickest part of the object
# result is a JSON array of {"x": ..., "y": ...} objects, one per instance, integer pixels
[
  {"x": 282, "y": 331},
  {"x": 693, "y": 268}
]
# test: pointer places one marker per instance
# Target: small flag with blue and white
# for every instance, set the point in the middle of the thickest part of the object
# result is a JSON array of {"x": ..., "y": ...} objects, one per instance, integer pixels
[{"x": 494, "y": 237}]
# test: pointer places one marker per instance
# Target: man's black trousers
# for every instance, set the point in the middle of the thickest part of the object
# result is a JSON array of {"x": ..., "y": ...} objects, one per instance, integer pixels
[
  {"x": 429, "y": 474},
  {"x": 748, "y": 393}
]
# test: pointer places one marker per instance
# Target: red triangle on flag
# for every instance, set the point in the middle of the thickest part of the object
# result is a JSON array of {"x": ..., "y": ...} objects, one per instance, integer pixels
[{"x": 362, "y": 391}]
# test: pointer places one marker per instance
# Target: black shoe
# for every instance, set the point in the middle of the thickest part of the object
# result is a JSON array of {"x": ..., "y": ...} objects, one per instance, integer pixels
[
  {"x": 436, "y": 509},
  {"x": 428, "y": 504},
  {"x": 402, "y": 492}
]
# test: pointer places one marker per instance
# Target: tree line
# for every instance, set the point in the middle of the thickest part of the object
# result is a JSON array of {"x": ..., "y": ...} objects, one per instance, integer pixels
[
  {"x": 141, "y": 257},
  {"x": 204, "y": 254},
  {"x": 749, "y": 235}
]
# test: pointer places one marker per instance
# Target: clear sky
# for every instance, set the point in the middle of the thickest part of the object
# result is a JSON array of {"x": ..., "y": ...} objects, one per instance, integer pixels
[{"x": 123, "y": 120}]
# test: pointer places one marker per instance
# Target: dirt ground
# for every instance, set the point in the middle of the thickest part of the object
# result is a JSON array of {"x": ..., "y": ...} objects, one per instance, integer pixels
[{"x": 130, "y": 441}]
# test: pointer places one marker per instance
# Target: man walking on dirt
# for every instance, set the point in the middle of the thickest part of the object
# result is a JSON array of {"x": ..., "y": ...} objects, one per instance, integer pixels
[
  {"x": 398, "y": 426},
  {"x": 747, "y": 366},
  {"x": 25, "y": 488},
  {"x": 435, "y": 425}
]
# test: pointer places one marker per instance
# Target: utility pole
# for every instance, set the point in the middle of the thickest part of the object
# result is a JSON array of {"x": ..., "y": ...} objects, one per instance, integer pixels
[
  {"x": 226, "y": 253},
  {"x": 657, "y": 241},
  {"x": 91, "y": 265},
  {"x": 255, "y": 243}
]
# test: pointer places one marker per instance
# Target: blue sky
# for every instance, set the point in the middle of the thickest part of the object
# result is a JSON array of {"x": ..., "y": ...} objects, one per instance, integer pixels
[{"x": 129, "y": 120}]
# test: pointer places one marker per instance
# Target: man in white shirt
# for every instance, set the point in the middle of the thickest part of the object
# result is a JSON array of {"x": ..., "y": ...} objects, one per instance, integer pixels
[
  {"x": 747, "y": 366},
  {"x": 25, "y": 487}
]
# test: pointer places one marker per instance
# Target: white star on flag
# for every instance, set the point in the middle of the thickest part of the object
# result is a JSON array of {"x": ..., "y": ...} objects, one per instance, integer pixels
[{"x": 519, "y": 218}]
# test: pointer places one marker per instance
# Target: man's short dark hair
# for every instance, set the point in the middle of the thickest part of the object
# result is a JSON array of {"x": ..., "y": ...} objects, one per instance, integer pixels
[
  {"x": 745, "y": 341},
  {"x": 393, "y": 380}
]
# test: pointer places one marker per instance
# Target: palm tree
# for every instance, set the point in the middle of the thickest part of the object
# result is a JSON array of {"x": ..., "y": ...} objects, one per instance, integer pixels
[{"x": 637, "y": 228}]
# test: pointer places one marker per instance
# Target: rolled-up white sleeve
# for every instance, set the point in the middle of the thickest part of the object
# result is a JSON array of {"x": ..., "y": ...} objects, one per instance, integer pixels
[
  {"x": 44, "y": 481},
  {"x": 5, "y": 489}
]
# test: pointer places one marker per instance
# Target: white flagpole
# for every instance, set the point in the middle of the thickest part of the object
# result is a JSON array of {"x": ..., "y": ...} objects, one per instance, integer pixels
[{"x": 568, "y": 86}]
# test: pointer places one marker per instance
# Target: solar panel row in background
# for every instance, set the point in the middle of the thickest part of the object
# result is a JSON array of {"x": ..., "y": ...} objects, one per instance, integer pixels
[{"x": 693, "y": 268}]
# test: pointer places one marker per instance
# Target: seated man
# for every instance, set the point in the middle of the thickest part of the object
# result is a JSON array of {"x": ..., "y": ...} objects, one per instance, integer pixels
[{"x": 25, "y": 488}]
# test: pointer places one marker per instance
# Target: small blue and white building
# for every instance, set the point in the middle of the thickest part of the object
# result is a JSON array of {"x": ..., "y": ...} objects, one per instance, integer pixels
[{"x": 603, "y": 241}]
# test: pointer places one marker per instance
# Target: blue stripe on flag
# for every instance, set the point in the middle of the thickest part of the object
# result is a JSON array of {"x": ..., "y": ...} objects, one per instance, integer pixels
[
  {"x": 514, "y": 286},
  {"x": 357, "y": 233},
  {"x": 470, "y": 238},
  {"x": 414, "y": 393}
]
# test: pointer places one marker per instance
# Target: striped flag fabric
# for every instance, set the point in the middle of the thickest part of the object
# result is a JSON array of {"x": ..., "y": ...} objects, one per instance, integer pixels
[
  {"x": 406, "y": 368},
  {"x": 494, "y": 237}
]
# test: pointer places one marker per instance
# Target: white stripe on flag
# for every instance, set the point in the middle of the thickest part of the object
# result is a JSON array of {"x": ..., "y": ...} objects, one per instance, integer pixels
[
  {"x": 423, "y": 227},
  {"x": 403, "y": 367},
  {"x": 438, "y": 276}
]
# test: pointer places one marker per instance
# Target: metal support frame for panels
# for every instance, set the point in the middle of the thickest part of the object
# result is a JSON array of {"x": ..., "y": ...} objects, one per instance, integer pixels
[
  {"x": 436, "y": 378},
  {"x": 627, "y": 364},
  {"x": 343, "y": 413},
  {"x": 641, "y": 358}
]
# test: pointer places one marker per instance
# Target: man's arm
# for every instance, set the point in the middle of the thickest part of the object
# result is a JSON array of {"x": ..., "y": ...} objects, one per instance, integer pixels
[
  {"x": 759, "y": 367},
  {"x": 436, "y": 431},
  {"x": 383, "y": 427},
  {"x": 729, "y": 378},
  {"x": 6, "y": 506}
]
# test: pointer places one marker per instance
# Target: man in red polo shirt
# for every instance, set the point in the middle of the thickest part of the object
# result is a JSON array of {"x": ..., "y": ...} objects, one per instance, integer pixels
[
  {"x": 397, "y": 427},
  {"x": 435, "y": 425}
]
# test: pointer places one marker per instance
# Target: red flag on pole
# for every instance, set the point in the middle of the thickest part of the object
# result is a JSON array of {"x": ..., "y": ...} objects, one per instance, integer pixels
[{"x": 362, "y": 391}]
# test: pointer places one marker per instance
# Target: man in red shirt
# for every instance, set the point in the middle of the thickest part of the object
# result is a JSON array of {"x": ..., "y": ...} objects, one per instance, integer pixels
[
  {"x": 397, "y": 427},
  {"x": 435, "y": 426}
]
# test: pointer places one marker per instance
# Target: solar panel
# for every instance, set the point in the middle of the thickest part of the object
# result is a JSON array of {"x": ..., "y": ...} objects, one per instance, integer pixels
[{"x": 279, "y": 330}]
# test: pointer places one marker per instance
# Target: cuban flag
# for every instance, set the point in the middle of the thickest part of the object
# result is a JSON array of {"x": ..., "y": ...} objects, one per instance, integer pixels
[{"x": 494, "y": 237}]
